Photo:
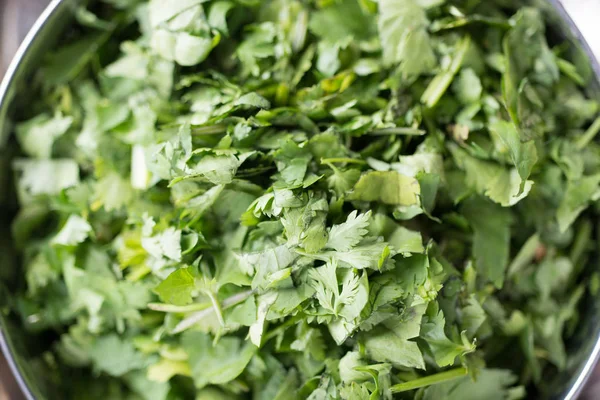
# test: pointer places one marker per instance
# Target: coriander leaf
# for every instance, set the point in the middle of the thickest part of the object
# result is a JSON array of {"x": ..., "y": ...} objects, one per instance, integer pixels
[
  {"x": 340, "y": 21},
  {"x": 347, "y": 235},
  {"x": 355, "y": 391},
  {"x": 217, "y": 16},
  {"x": 430, "y": 163},
  {"x": 493, "y": 384},
  {"x": 216, "y": 363},
  {"x": 67, "y": 62},
  {"x": 467, "y": 86},
  {"x": 161, "y": 11},
  {"x": 473, "y": 316},
  {"x": 38, "y": 135},
  {"x": 254, "y": 100},
  {"x": 525, "y": 48},
  {"x": 112, "y": 192},
  {"x": 390, "y": 343},
  {"x": 342, "y": 182},
  {"x": 385, "y": 346},
  {"x": 263, "y": 303},
  {"x": 37, "y": 177},
  {"x": 264, "y": 265},
  {"x": 147, "y": 389},
  {"x": 577, "y": 196},
  {"x": 182, "y": 47},
  {"x": 165, "y": 244},
  {"x": 432, "y": 330},
  {"x": 405, "y": 241},
  {"x": 76, "y": 230},
  {"x": 523, "y": 155},
  {"x": 491, "y": 240},
  {"x": 177, "y": 288},
  {"x": 218, "y": 169},
  {"x": 404, "y": 38},
  {"x": 553, "y": 275},
  {"x": 348, "y": 370},
  {"x": 440, "y": 83},
  {"x": 430, "y": 184},
  {"x": 115, "y": 356},
  {"x": 388, "y": 187},
  {"x": 490, "y": 179},
  {"x": 363, "y": 256}
]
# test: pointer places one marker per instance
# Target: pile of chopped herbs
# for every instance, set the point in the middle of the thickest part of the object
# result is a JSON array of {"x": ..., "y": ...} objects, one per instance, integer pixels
[{"x": 311, "y": 199}]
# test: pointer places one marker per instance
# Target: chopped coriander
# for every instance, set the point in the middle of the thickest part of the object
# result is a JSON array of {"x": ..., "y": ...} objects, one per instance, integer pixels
[{"x": 321, "y": 199}]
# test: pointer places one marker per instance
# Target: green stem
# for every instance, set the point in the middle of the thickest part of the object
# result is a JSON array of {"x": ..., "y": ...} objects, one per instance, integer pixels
[
  {"x": 209, "y": 130},
  {"x": 398, "y": 131},
  {"x": 430, "y": 380},
  {"x": 441, "y": 82},
  {"x": 342, "y": 160},
  {"x": 216, "y": 306},
  {"x": 290, "y": 322},
  {"x": 589, "y": 135},
  {"x": 524, "y": 256},
  {"x": 200, "y": 315},
  {"x": 310, "y": 255},
  {"x": 179, "y": 309}
]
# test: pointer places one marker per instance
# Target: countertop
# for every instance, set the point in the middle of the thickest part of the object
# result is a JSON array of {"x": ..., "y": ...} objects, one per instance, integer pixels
[{"x": 16, "y": 16}]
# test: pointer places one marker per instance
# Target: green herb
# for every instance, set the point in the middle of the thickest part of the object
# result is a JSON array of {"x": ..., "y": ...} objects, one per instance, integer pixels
[{"x": 322, "y": 199}]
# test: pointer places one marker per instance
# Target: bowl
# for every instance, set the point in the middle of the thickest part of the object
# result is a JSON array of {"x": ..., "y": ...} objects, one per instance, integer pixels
[{"x": 19, "y": 348}]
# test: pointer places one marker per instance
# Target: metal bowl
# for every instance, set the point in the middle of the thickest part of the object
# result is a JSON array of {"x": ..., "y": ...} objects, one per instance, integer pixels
[{"x": 584, "y": 348}]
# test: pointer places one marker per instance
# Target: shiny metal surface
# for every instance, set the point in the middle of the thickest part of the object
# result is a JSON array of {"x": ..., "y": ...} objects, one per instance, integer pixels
[
  {"x": 584, "y": 350},
  {"x": 43, "y": 35}
]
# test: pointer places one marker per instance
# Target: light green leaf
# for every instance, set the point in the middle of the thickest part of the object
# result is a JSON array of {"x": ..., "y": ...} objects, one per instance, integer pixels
[
  {"x": 253, "y": 99},
  {"x": 390, "y": 342},
  {"x": 444, "y": 350},
  {"x": 406, "y": 241},
  {"x": 344, "y": 236},
  {"x": 490, "y": 179},
  {"x": 523, "y": 155},
  {"x": 440, "y": 83},
  {"x": 404, "y": 38},
  {"x": 467, "y": 86},
  {"x": 37, "y": 177},
  {"x": 177, "y": 288},
  {"x": 161, "y": 11},
  {"x": 389, "y": 187},
  {"x": 216, "y": 363},
  {"x": 76, "y": 230},
  {"x": 115, "y": 356},
  {"x": 491, "y": 237},
  {"x": 112, "y": 192},
  {"x": 217, "y": 16},
  {"x": 37, "y": 136},
  {"x": 263, "y": 303},
  {"x": 492, "y": 384},
  {"x": 165, "y": 244},
  {"x": 577, "y": 196}
]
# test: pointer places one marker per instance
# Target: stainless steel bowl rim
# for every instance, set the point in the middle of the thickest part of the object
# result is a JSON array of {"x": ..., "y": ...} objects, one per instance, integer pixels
[{"x": 25, "y": 47}]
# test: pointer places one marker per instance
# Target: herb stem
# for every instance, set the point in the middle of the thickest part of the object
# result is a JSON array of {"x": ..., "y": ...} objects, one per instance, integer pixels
[
  {"x": 524, "y": 256},
  {"x": 342, "y": 160},
  {"x": 589, "y": 135},
  {"x": 200, "y": 315},
  {"x": 430, "y": 380},
  {"x": 290, "y": 322},
  {"x": 179, "y": 309},
  {"x": 216, "y": 306},
  {"x": 398, "y": 131},
  {"x": 209, "y": 130},
  {"x": 440, "y": 83}
]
